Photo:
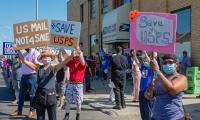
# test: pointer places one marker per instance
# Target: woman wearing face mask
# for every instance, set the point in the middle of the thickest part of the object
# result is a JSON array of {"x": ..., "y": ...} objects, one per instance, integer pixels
[
  {"x": 168, "y": 90},
  {"x": 45, "y": 97}
]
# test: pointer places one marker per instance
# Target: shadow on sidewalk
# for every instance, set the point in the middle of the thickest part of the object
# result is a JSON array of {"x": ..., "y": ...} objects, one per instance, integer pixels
[
  {"x": 194, "y": 110},
  {"x": 6, "y": 95}
]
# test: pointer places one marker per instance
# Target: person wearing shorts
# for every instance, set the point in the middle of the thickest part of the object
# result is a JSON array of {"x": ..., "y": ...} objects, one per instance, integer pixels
[
  {"x": 74, "y": 93},
  {"x": 61, "y": 77}
]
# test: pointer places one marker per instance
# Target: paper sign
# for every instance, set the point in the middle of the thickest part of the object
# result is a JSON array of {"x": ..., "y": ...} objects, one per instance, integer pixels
[
  {"x": 65, "y": 33},
  {"x": 154, "y": 32},
  {"x": 8, "y": 48},
  {"x": 31, "y": 34}
]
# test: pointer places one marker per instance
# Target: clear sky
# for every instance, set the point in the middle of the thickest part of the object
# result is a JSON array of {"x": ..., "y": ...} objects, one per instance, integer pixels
[{"x": 16, "y": 11}]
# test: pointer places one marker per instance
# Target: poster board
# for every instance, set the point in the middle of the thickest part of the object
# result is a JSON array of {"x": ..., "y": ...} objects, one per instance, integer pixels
[
  {"x": 31, "y": 34},
  {"x": 65, "y": 33},
  {"x": 153, "y": 31},
  {"x": 8, "y": 48}
]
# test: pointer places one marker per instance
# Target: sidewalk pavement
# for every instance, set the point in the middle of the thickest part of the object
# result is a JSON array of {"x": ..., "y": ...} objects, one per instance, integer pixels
[{"x": 99, "y": 100}]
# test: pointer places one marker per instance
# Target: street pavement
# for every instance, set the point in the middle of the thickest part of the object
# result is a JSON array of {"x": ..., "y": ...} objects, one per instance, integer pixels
[
  {"x": 95, "y": 106},
  {"x": 6, "y": 96}
]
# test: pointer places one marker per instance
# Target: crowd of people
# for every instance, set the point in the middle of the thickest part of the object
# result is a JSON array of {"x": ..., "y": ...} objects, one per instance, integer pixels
[{"x": 157, "y": 86}]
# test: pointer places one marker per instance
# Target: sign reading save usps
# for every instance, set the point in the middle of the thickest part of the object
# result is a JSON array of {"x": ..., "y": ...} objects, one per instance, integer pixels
[
  {"x": 8, "y": 48},
  {"x": 153, "y": 32},
  {"x": 65, "y": 33}
]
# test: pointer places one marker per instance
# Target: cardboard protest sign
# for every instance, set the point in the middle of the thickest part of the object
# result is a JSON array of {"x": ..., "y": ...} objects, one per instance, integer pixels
[
  {"x": 31, "y": 34},
  {"x": 153, "y": 32},
  {"x": 8, "y": 48},
  {"x": 65, "y": 33}
]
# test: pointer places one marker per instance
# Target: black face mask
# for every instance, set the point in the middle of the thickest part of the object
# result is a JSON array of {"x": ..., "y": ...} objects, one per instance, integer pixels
[{"x": 27, "y": 50}]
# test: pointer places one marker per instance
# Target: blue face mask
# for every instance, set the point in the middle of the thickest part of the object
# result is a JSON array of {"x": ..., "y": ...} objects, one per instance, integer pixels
[
  {"x": 168, "y": 68},
  {"x": 146, "y": 64}
]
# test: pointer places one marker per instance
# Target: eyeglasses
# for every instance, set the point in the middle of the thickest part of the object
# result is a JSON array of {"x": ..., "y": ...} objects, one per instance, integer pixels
[{"x": 168, "y": 62}]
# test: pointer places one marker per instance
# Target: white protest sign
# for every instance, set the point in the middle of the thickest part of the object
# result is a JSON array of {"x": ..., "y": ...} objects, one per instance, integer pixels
[{"x": 65, "y": 33}]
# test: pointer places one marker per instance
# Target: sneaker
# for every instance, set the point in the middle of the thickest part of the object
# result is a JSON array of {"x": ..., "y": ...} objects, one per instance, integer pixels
[
  {"x": 14, "y": 102},
  {"x": 59, "y": 108},
  {"x": 117, "y": 107},
  {"x": 110, "y": 102}
]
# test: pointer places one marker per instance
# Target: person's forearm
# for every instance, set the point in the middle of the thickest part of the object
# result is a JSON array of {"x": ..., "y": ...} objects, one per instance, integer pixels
[
  {"x": 21, "y": 57},
  {"x": 146, "y": 56},
  {"x": 62, "y": 64},
  {"x": 82, "y": 60},
  {"x": 136, "y": 60},
  {"x": 164, "y": 81}
]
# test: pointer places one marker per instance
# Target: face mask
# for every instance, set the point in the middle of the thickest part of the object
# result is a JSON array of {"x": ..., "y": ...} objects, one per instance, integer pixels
[
  {"x": 168, "y": 68},
  {"x": 46, "y": 60},
  {"x": 146, "y": 64}
]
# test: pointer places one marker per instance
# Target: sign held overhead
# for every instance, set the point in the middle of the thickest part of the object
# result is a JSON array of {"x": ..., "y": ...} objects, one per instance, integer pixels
[
  {"x": 152, "y": 31},
  {"x": 65, "y": 33},
  {"x": 31, "y": 34}
]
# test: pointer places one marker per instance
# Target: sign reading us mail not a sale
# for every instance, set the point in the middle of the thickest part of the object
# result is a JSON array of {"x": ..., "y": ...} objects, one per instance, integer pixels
[
  {"x": 65, "y": 33},
  {"x": 31, "y": 34}
]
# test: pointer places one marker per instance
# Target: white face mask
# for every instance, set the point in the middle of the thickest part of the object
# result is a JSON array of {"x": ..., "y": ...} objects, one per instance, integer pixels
[{"x": 46, "y": 60}]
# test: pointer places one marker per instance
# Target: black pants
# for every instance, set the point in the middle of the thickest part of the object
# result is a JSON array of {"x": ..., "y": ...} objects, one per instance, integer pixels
[
  {"x": 51, "y": 110},
  {"x": 87, "y": 82},
  {"x": 119, "y": 93}
]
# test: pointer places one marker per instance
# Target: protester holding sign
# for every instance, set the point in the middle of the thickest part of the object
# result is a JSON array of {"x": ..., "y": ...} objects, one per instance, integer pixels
[
  {"x": 168, "y": 90},
  {"x": 62, "y": 76},
  {"x": 74, "y": 93},
  {"x": 46, "y": 78},
  {"x": 28, "y": 82}
]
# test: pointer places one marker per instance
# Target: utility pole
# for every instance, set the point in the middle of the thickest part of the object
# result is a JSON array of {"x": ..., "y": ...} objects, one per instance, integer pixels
[{"x": 36, "y": 9}]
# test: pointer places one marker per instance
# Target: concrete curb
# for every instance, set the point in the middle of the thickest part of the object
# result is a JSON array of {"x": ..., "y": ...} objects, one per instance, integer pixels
[{"x": 100, "y": 108}]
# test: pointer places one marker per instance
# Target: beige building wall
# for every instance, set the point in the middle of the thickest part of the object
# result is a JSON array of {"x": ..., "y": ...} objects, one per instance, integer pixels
[
  {"x": 172, "y": 5},
  {"x": 89, "y": 26}
]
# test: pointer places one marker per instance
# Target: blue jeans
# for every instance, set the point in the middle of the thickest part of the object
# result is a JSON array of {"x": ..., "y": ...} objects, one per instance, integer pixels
[
  {"x": 145, "y": 107},
  {"x": 28, "y": 82}
]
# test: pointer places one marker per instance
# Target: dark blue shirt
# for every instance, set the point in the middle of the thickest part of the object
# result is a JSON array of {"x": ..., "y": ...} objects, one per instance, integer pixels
[{"x": 145, "y": 78}]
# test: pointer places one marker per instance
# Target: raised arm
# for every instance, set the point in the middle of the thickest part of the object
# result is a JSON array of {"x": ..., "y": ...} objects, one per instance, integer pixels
[
  {"x": 135, "y": 58},
  {"x": 26, "y": 62},
  {"x": 81, "y": 57},
  {"x": 173, "y": 87},
  {"x": 63, "y": 63}
]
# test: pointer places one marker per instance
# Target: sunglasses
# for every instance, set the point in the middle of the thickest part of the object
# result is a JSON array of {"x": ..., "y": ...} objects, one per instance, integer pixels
[{"x": 168, "y": 62}]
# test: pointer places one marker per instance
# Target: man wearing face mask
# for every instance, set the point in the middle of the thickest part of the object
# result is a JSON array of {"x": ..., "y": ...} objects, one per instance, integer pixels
[
  {"x": 168, "y": 90},
  {"x": 28, "y": 82},
  {"x": 74, "y": 92}
]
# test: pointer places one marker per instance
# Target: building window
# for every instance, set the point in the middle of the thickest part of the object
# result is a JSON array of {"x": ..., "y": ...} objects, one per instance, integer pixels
[
  {"x": 92, "y": 43},
  {"x": 93, "y": 9},
  {"x": 118, "y": 3},
  {"x": 126, "y": 1},
  {"x": 105, "y": 6},
  {"x": 183, "y": 20},
  {"x": 81, "y": 13},
  {"x": 183, "y": 33}
]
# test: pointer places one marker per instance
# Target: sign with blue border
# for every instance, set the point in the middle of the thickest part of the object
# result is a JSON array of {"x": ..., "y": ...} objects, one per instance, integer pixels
[{"x": 8, "y": 49}]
